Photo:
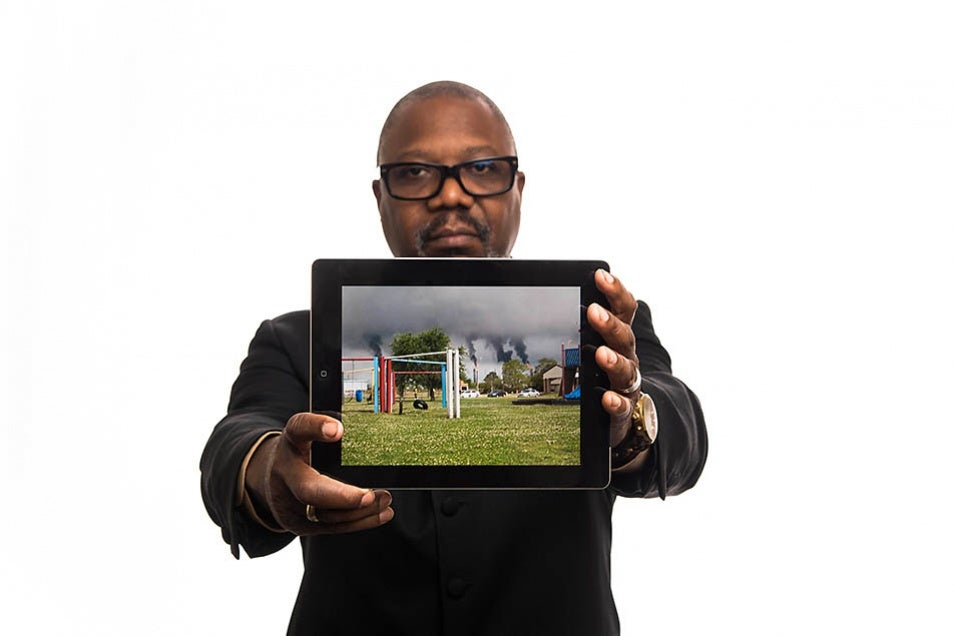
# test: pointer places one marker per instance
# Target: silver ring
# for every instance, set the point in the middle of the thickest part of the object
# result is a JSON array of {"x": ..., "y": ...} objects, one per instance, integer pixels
[
  {"x": 310, "y": 514},
  {"x": 634, "y": 388}
]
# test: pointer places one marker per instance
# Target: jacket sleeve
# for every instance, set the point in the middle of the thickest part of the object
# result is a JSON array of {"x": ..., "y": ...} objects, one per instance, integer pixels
[
  {"x": 681, "y": 446},
  {"x": 272, "y": 386}
]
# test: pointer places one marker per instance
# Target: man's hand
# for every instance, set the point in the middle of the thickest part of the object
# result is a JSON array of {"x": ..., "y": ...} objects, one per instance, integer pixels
[
  {"x": 618, "y": 356},
  {"x": 280, "y": 478}
]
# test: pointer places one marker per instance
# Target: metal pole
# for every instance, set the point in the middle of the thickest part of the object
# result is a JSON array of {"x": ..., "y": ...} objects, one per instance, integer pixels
[
  {"x": 376, "y": 382},
  {"x": 448, "y": 380},
  {"x": 444, "y": 387},
  {"x": 456, "y": 383}
]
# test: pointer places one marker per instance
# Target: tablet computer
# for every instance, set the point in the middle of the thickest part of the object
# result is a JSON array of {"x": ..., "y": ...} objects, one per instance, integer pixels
[{"x": 459, "y": 373}]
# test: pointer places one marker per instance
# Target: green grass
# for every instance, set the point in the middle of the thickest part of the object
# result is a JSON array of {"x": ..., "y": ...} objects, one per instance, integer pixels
[{"x": 490, "y": 432}]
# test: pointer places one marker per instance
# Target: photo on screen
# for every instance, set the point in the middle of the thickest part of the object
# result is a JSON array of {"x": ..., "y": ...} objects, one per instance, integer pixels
[{"x": 460, "y": 376}]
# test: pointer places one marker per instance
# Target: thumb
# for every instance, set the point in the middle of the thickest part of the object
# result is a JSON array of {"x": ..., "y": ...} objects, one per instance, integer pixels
[{"x": 302, "y": 429}]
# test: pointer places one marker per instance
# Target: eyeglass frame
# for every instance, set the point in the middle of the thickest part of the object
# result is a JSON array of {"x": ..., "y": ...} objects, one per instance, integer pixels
[{"x": 449, "y": 171}]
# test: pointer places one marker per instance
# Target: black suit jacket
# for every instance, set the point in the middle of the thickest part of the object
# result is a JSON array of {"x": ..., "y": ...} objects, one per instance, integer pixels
[{"x": 450, "y": 562}]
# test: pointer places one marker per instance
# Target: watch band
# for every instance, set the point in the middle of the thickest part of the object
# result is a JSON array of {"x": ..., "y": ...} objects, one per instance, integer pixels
[{"x": 639, "y": 437}]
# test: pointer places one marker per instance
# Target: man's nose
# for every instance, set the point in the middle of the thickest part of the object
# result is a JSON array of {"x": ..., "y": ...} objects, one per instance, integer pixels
[{"x": 451, "y": 195}]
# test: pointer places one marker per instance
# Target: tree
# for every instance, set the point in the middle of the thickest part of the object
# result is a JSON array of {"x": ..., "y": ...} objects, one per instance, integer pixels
[
  {"x": 491, "y": 381},
  {"x": 515, "y": 375},
  {"x": 536, "y": 376},
  {"x": 403, "y": 344}
]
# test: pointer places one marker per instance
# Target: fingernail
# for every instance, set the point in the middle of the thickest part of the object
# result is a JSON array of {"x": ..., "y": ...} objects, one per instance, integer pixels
[
  {"x": 607, "y": 276},
  {"x": 386, "y": 516},
  {"x": 611, "y": 357},
  {"x": 602, "y": 314},
  {"x": 615, "y": 402},
  {"x": 368, "y": 498},
  {"x": 330, "y": 429}
]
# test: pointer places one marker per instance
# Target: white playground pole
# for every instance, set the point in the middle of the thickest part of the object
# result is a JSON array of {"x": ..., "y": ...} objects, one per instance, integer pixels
[
  {"x": 452, "y": 374},
  {"x": 456, "y": 393}
]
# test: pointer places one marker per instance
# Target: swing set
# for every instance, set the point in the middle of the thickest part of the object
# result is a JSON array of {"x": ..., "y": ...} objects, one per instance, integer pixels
[{"x": 383, "y": 381}]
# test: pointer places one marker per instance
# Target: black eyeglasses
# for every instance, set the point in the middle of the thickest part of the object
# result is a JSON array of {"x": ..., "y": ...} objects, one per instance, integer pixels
[{"x": 414, "y": 181}]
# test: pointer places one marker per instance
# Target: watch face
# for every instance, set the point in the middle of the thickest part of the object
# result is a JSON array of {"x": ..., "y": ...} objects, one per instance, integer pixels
[{"x": 648, "y": 408}]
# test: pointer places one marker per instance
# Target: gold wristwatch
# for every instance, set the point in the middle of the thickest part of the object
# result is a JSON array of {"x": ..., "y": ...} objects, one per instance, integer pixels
[{"x": 641, "y": 435}]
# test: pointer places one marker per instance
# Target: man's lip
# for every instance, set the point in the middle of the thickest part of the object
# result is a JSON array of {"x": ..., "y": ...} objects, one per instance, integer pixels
[
  {"x": 451, "y": 231},
  {"x": 458, "y": 241}
]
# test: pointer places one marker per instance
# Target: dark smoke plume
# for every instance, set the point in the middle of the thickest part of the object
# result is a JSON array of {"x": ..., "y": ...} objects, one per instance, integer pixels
[
  {"x": 521, "y": 348},
  {"x": 498, "y": 344},
  {"x": 472, "y": 348},
  {"x": 374, "y": 343}
]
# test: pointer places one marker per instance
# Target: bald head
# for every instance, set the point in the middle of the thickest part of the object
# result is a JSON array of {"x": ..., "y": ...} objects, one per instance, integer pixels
[{"x": 435, "y": 90}]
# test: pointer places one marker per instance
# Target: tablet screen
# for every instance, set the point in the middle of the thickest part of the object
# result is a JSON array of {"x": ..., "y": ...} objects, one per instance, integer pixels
[{"x": 505, "y": 404}]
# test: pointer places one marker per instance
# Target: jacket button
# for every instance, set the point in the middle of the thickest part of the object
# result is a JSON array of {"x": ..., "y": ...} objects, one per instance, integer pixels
[
  {"x": 450, "y": 507},
  {"x": 456, "y": 588}
]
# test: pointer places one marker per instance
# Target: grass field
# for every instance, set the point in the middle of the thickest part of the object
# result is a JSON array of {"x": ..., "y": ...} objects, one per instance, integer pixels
[{"x": 490, "y": 432}]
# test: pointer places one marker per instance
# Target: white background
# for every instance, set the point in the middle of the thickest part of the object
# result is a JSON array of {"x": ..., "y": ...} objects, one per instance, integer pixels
[{"x": 774, "y": 178}]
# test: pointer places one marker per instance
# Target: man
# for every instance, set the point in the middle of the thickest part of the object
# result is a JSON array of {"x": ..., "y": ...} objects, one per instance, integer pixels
[{"x": 442, "y": 562}]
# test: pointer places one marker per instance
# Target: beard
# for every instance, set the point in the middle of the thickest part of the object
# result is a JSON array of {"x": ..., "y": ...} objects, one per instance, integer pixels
[{"x": 482, "y": 230}]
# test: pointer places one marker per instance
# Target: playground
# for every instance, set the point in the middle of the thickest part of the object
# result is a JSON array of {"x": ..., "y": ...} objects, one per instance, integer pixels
[
  {"x": 381, "y": 429},
  {"x": 488, "y": 432}
]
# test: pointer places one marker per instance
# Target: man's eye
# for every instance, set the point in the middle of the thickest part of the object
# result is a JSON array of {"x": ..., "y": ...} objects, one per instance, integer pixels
[
  {"x": 413, "y": 172},
  {"x": 482, "y": 167}
]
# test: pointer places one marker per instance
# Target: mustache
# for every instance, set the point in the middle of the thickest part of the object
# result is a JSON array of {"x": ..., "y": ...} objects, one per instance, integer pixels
[{"x": 482, "y": 230}]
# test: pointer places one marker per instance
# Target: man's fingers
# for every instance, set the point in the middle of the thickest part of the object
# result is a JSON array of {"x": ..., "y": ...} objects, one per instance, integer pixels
[
  {"x": 380, "y": 503},
  {"x": 338, "y": 507},
  {"x": 324, "y": 527},
  {"x": 618, "y": 357},
  {"x": 291, "y": 514},
  {"x": 621, "y": 302},
  {"x": 620, "y": 410},
  {"x": 308, "y": 486},
  {"x": 620, "y": 370},
  {"x": 304, "y": 428},
  {"x": 617, "y": 334},
  {"x": 292, "y": 484}
]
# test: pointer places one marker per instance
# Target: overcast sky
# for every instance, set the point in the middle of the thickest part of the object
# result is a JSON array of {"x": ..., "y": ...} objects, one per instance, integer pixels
[{"x": 495, "y": 324}]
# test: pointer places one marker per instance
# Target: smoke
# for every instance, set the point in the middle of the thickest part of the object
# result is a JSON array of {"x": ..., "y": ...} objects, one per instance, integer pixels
[
  {"x": 499, "y": 344},
  {"x": 472, "y": 348},
  {"x": 374, "y": 343},
  {"x": 503, "y": 347},
  {"x": 495, "y": 324},
  {"x": 521, "y": 348}
]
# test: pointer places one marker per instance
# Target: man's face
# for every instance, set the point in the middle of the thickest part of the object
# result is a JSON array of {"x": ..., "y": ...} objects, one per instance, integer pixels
[{"x": 448, "y": 131}]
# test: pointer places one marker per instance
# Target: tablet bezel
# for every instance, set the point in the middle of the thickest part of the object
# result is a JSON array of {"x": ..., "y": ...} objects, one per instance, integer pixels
[{"x": 325, "y": 390}]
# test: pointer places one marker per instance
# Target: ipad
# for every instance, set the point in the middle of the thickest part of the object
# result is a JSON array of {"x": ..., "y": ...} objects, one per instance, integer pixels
[{"x": 459, "y": 373}]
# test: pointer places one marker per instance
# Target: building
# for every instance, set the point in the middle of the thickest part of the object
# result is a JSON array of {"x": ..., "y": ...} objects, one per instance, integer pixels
[{"x": 552, "y": 378}]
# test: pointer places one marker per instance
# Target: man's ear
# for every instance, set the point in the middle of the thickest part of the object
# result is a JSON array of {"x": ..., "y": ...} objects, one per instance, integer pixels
[
  {"x": 376, "y": 186},
  {"x": 521, "y": 179}
]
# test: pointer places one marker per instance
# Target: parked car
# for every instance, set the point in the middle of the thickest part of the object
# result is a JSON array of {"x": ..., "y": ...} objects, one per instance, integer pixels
[
  {"x": 528, "y": 393},
  {"x": 470, "y": 393},
  {"x": 497, "y": 393}
]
